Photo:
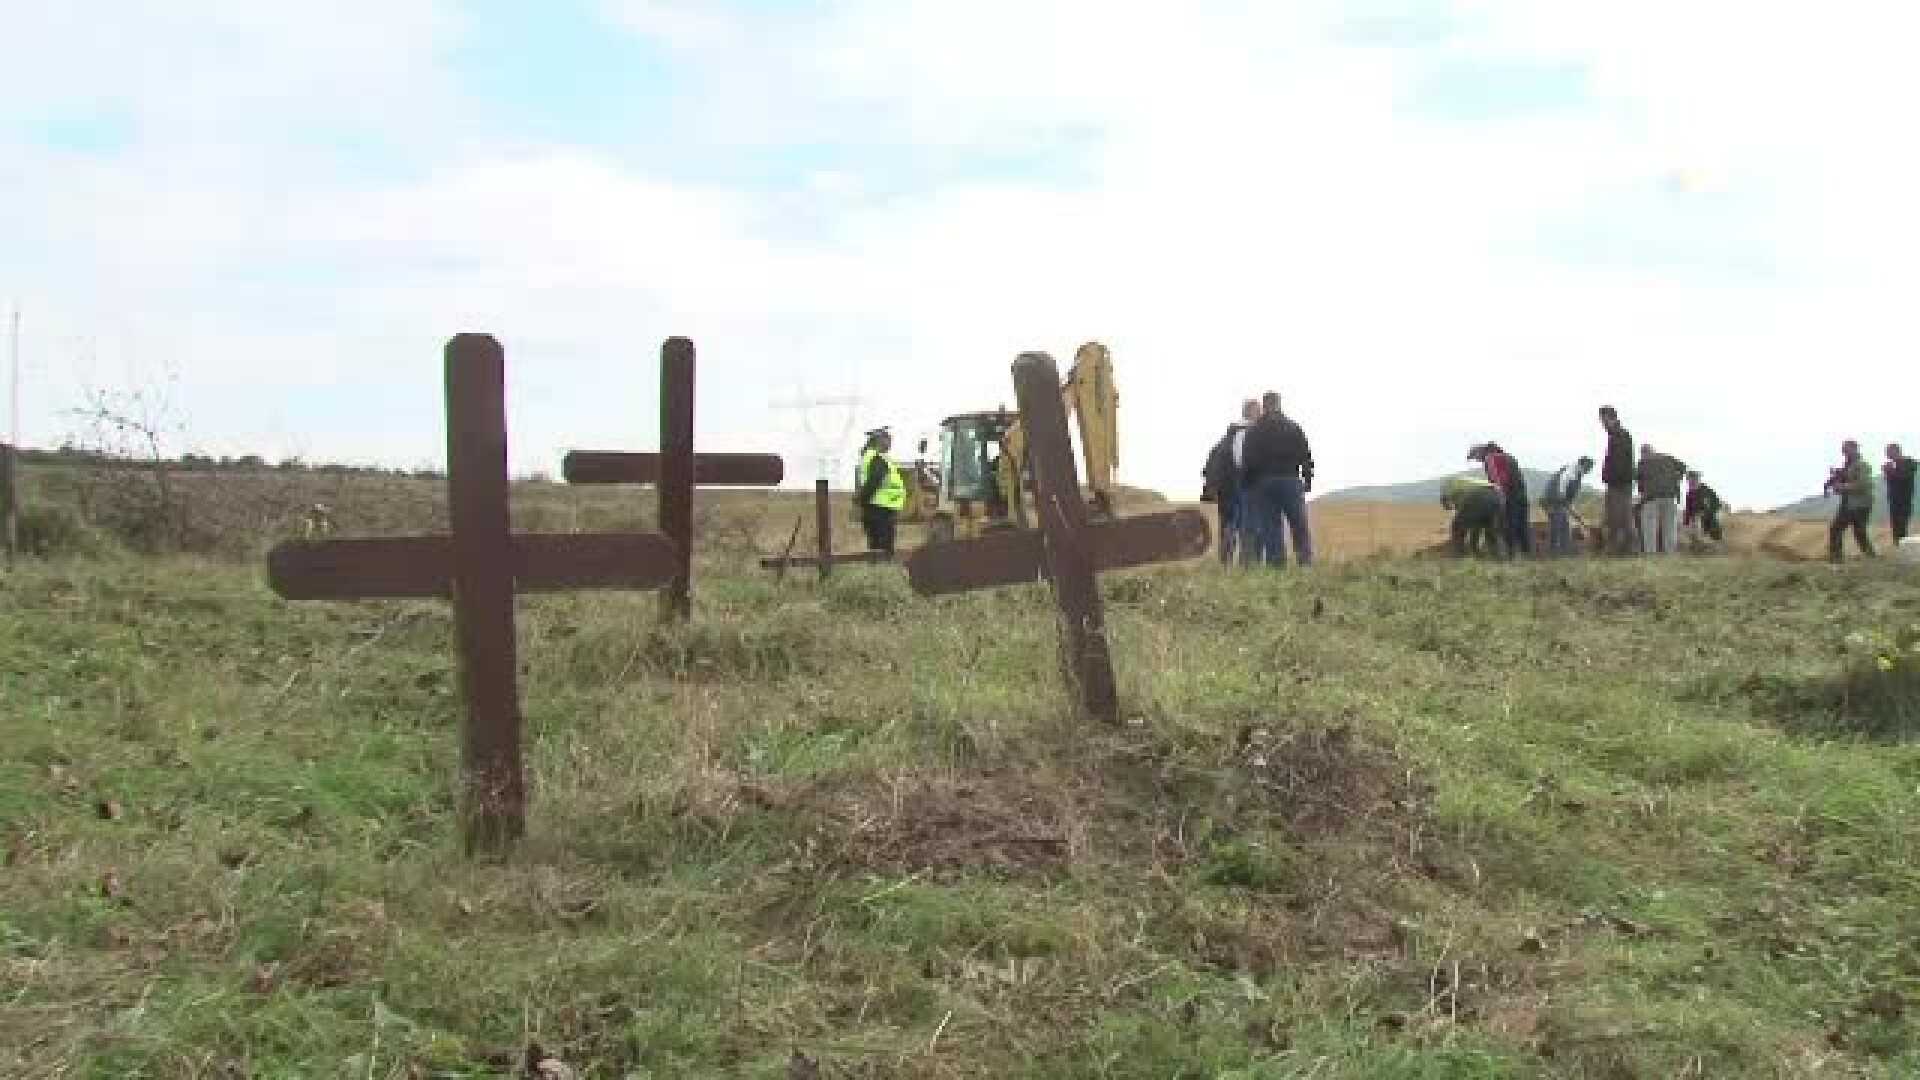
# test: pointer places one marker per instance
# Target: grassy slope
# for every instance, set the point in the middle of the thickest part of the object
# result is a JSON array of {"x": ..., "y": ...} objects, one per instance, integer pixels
[{"x": 1471, "y": 821}]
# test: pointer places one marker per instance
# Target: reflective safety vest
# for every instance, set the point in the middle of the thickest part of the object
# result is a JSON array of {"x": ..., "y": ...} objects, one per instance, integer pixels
[{"x": 892, "y": 492}]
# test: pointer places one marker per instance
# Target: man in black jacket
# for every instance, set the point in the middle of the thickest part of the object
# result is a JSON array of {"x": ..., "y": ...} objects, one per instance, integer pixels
[
  {"x": 1702, "y": 508},
  {"x": 1898, "y": 472},
  {"x": 1617, "y": 476},
  {"x": 1222, "y": 482},
  {"x": 1276, "y": 474}
]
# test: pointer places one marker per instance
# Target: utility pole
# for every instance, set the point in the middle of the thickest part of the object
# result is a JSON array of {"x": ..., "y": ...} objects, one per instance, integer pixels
[
  {"x": 13, "y": 395},
  {"x": 10, "y": 458},
  {"x": 825, "y": 442}
]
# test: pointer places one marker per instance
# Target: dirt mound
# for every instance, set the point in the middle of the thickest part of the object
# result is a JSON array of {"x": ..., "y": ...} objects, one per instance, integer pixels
[
  {"x": 1324, "y": 781},
  {"x": 1135, "y": 802},
  {"x": 996, "y": 823}
]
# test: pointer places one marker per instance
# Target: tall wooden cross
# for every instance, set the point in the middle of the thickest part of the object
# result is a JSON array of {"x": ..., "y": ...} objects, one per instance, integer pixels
[
  {"x": 480, "y": 565},
  {"x": 675, "y": 470},
  {"x": 1068, "y": 551}
]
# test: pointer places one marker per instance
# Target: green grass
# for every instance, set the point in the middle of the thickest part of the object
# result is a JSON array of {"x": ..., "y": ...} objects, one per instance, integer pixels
[{"x": 1615, "y": 820}]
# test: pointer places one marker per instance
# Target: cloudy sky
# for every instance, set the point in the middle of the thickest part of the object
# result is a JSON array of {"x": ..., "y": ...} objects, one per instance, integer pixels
[{"x": 1425, "y": 222}]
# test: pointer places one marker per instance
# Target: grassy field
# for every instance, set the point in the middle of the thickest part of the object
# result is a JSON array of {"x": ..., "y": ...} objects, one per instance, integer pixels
[{"x": 1391, "y": 818}]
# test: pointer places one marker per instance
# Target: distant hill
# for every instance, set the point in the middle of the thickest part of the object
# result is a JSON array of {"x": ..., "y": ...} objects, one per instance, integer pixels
[{"x": 1425, "y": 492}]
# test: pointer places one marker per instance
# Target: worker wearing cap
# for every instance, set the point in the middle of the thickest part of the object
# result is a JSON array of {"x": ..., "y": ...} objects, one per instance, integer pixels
[
  {"x": 1503, "y": 472},
  {"x": 879, "y": 491}
]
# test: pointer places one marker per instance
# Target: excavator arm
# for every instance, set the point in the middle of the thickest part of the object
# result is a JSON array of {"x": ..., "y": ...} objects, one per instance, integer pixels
[{"x": 1093, "y": 403}]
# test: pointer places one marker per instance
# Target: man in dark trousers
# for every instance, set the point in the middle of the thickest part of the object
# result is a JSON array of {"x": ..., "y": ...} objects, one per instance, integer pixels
[
  {"x": 1899, "y": 471},
  {"x": 1503, "y": 472},
  {"x": 1703, "y": 508},
  {"x": 1221, "y": 481},
  {"x": 1853, "y": 481},
  {"x": 880, "y": 491},
  {"x": 1559, "y": 499},
  {"x": 1276, "y": 474},
  {"x": 1479, "y": 514},
  {"x": 1617, "y": 476}
]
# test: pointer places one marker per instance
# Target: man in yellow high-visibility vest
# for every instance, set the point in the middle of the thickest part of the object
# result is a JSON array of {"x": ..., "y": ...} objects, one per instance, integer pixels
[{"x": 880, "y": 490}]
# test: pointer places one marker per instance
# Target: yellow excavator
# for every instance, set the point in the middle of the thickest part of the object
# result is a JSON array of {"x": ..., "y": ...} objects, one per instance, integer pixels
[{"x": 980, "y": 481}]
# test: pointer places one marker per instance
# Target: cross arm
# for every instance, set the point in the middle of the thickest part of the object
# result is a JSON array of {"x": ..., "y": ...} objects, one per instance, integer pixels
[
  {"x": 407, "y": 567},
  {"x": 709, "y": 470},
  {"x": 1014, "y": 557}
]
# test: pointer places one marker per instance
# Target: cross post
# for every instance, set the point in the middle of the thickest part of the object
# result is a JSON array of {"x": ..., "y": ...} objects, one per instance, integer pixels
[
  {"x": 480, "y": 565},
  {"x": 675, "y": 470},
  {"x": 1069, "y": 550}
]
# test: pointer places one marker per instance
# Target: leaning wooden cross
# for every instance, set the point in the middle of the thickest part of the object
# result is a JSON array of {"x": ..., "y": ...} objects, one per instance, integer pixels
[
  {"x": 480, "y": 565},
  {"x": 1068, "y": 551},
  {"x": 824, "y": 557},
  {"x": 676, "y": 469}
]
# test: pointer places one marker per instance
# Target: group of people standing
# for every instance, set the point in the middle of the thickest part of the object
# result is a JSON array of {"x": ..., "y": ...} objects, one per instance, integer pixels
[
  {"x": 1258, "y": 476},
  {"x": 1647, "y": 501},
  {"x": 1853, "y": 482},
  {"x": 1670, "y": 496}
]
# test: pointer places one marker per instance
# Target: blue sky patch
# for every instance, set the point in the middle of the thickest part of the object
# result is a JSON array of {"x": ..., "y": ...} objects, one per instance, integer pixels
[
  {"x": 85, "y": 130},
  {"x": 558, "y": 71},
  {"x": 1473, "y": 87},
  {"x": 1400, "y": 24}
]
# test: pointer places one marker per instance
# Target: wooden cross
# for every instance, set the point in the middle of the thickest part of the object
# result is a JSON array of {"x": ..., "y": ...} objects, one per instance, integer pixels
[
  {"x": 480, "y": 565},
  {"x": 675, "y": 470},
  {"x": 1068, "y": 550},
  {"x": 824, "y": 556}
]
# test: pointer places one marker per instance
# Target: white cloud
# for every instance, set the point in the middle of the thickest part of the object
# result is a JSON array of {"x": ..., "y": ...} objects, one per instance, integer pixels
[{"x": 1233, "y": 198}]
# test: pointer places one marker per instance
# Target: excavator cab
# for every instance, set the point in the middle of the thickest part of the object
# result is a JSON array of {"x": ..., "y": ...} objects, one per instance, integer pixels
[
  {"x": 971, "y": 497},
  {"x": 983, "y": 481}
]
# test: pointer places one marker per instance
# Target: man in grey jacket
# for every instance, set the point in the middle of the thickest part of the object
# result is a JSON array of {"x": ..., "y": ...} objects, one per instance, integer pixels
[
  {"x": 1563, "y": 491},
  {"x": 1659, "y": 477}
]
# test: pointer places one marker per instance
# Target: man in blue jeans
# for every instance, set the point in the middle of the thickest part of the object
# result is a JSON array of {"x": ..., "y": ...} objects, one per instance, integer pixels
[
  {"x": 1276, "y": 474},
  {"x": 1221, "y": 482}
]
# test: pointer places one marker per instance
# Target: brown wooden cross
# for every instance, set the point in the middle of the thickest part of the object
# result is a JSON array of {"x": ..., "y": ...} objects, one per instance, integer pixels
[
  {"x": 824, "y": 557},
  {"x": 1068, "y": 551},
  {"x": 480, "y": 565},
  {"x": 675, "y": 470}
]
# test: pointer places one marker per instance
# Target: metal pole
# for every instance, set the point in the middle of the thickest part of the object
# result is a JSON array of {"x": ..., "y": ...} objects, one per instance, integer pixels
[
  {"x": 9, "y": 504},
  {"x": 675, "y": 490},
  {"x": 13, "y": 396},
  {"x": 9, "y": 455},
  {"x": 823, "y": 526}
]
